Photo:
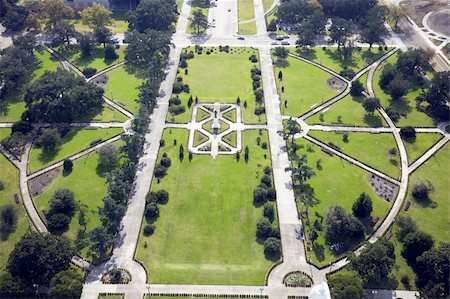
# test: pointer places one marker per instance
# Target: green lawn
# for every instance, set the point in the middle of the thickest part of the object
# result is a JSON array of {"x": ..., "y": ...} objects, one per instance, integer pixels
[
  {"x": 304, "y": 86},
  {"x": 407, "y": 105},
  {"x": 371, "y": 149},
  {"x": 220, "y": 77},
  {"x": 422, "y": 143},
  {"x": 96, "y": 60},
  {"x": 431, "y": 217},
  {"x": 75, "y": 141},
  {"x": 120, "y": 25},
  {"x": 246, "y": 12},
  {"x": 123, "y": 88},
  {"x": 267, "y": 4},
  {"x": 206, "y": 232},
  {"x": 4, "y": 132},
  {"x": 196, "y": 5},
  {"x": 350, "y": 112},
  {"x": 9, "y": 175},
  {"x": 332, "y": 60},
  {"x": 47, "y": 62},
  {"x": 247, "y": 28},
  {"x": 331, "y": 186},
  {"x": 88, "y": 183}
]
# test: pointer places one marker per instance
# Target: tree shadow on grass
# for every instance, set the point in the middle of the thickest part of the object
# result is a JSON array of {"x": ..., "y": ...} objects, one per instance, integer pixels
[
  {"x": 5, "y": 232},
  {"x": 281, "y": 63},
  {"x": 369, "y": 56},
  {"x": 401, "y": 105},
  {"x": 319, "y": 252},
  {"x": 48, "y": 156},
  {"x": 339, "y": 59},
  {"x": 373, "y": 120},
  {"x": 309, "y": 54}
]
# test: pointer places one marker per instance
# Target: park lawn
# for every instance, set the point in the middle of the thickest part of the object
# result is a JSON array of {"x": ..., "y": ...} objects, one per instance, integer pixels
[
  {"x": 120, "y": 24},
  {"x": 196, "y": 5},
  {"x": 335, "y": 62},
  {"x": 350, "y": 112},
  {"x": 304, "y": 85},
  {"x": 123, "y": 87},
  {"x": 246, "y": 10},
  {"x": 4, "y": 132},
  {"x": 220, "y": 77},
  {"x": 9, "y": 175},
  {"x": 420, "y": 145},
  {"x": 431, "y": 217},
  {"x": 106, "y": 114},
  {"x": 370, "y": 149},
  {"x": 96, "y": 60},
  {"x": 414, "y": 117},
  {"x": 247, "y": 28},
  {"x": 363, "y": 80},
  {"x": 47, "y": 62},
  {"x": 267, "y": 4},
  {"x": 331, "y": 186},
  {"x": 74, "y": 141},
  {"x": 206, "y": 232},
  {"x": 88, "y": 182}
]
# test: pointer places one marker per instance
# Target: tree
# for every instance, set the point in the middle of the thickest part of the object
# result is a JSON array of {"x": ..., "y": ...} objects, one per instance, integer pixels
[
  {"x": 387, "y": 75},
  {"x": 151, "y": 210},
  {"x": 101, "y": 242},
  {"x": 53, "y": 12},
  {"x": 16, "y": 18},
  {"x": 341, "y": 227},
  {"x": 49, "y": 139},
  {"x": 37, "y": 258},
  {"x": 263, "y": 228},
  {"x": 66, "y": 284},
  {"x": 421, "y": 191},
  {"x": 13, "y": 287},
  {"x": 346, "y": 285},
  {"x": 340, "y": 32},
  {"x": 104, "y": 36},
  {"x": 374, "y": 30},
  {"x": 63, "y": 33},
  {"x": 96, "y": 16},
  {"x": 259, "y": 195},
  {"x": 152, "y": 14},
  {"x": 397, "y": 87},
  {"x": 375, "y": 263},
  {"x": 108, "y": 156},
  {"x": 397, "y": 12},
  {"x": 61, "y": 97},
  {"x": 438, "y": 96},
  {"x": 301, "y": 172},
  {"x": 406, "y": 226},
  {"x": 148, "y": 48},
  {"x": 415, "y": 244},
  {"x": 281, "y": 53},
  {"x": 408, "y": 133},
  {"x": 356, "y": 89},
  {"x": 362, "y": 207},
  {"x": 269, "y": 211},
  {"x": 67, "y": 165},
  {"x": 347, "y": 9},
  {"x": 199, "y": 22},
  {"x": 86, "y": 43},
  {"x": 8, "y": 218},
  {"x": 371, "y": 104},
  {"x": 413, "y": 63},
  {"x": 272, "y": 248},
  {"x": 62, "y": 201},
  {"x": 58, "y": 223},
  {"x": 306, "y": 37},
  {"x": 432, "y": 268}
]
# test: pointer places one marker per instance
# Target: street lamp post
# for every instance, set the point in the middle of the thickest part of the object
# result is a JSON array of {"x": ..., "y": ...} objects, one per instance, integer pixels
[
  {"x": 261, "y": 289},
  {"x": 148, "y": 291}
]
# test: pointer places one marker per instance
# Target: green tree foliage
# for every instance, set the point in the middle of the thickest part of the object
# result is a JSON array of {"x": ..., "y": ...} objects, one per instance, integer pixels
[
  {"x": 413, "y": 63},
  {"x": 152, "y": 210},
  {"x": 61, "y": 97},
  {"x": 421, "y": 191},
  {"x": 37, "y": 258},
  {"x": 346, "y": 285},
  {"x": 108, "y": 156},
  {"x": 340, "y": 32},
  {"x": 408, "y": 133},
  {"x": 199, "y": 21},
  {"x": 293, "y": 11},
  {"x": 62, "y": 201},
  {"x": 104, "y": 36},
  {"x": 281, "y": 53},
  {"x": 356, "y": 89},
  {"x": 272, "y": 248},
  {"x": 53, "y": 12},
  {"x": 8, "y": 218},
  {"x": 110, "y": 53},
  {"x": 63, "y": 33},
  {"x": 374, "y": 30},
  {"x": 406, "y": 225},
  {"x": 16, "y": 18},
  {"x": 66, "y": 284},
  {"x": 362, "y": 207},
  {"x": 347, "y": 9},
  {"x": 58, "y": 223},
  {"x": 149, "y": 47},
  {"x": 438, "y": 96},
  {"x": 371, "y": 104},
  {"x": 263, "y": 228},
  {"x": 13, "y": 287},
  {"x": 67, "y": 165},
  {"x": 341, "y": 227},
  {"x": 397, "y": 87},
  {"x": 96, "y": 16},
  {"x": 415, "y": 244},
  {"x": 154, "y": 14},
  {"x": 101, "y": 243},
  {"x": 375, "y": 263},
  {"x": 86, "y": 43},
  {"x": 49, "y": 140}
]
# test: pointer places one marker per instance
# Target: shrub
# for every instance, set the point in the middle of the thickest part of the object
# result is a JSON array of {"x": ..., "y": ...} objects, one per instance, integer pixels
[
  {"x": 269, "y": 211},
  {"x": 174, "y": 101},
  {"x": 421, "y": 191},
  {"x": 356, "y": 89},
  {"x": 362, "y": 207},
  {"x": 58, "y": 223},
  {"x": 166, "y": 162},
  {"x": 267, "y": 180},
  {"x": 183, "y": 63},
  {"x": 162, "y": 196},
  {"x": 8, "y": 216},
  {"x": 271, "y": 194},
  {"x": 62, "y": 201},
  {"x": 49, "y": 140},
  {"x": 415, "y": 244},
  {"x": 259, "y": 195},
  {"x": 260, "y": 110},
  {"x": 110, "y": 53},
  {"x": 160, "y": 171},
  {"x": 272, "y": 248},
  {"x": 267, "y": 170},
  {"x": 263, "y": 228},
  {"x": 178, "y": 87},
  {"x": 348, "y": 74},
  {"x": 149, "y": 229},
  {"x": 177, "y": 109},
  {"x": 67, "y": 165},
  {"x": 408, "y": 133},
  {"x": 151, "y": 210},
  {"x": 89, "y": 72}
]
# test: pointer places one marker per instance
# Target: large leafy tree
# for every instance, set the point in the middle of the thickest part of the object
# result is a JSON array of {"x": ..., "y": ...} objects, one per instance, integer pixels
[
  {"x": 346, "y": 285},
  {"x": 415, "y": 244},
  {"x": 362, "y": 207},
  {"x": 438, "y": 96},
  {"x": 153, "y": 14},
  {"x": 101, "y": 242},
  {"x": 61, "y": 97},
  {"x": 199, "y": 21},
  {"x": 340, "y": 32},
  {"x": 37, "y": 258},
  {"x": 96, "y": 16},
  {"x": 53, "y": 12},
  {"x": 149, "y": 47},
  {"x": 341, "y": 227},
  {"x": 374, "y": 30},
  {"x": 375, "y": 263},
  {"x": 66, "y": 284},
  {"x": 16, "y": 18}
]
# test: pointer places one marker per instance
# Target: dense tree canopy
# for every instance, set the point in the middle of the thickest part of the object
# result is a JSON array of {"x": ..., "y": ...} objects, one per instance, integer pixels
[
  {"x": 53, "y": 12},
  {"x": 415, "y": 244},
  {"x": 346, "y": 285},
  {"x": 153, "y": 14},
  {"x": 16, "y": 18},
  {"x": 438, "y": 96},
  {"x": 66, "y": 284},
  {"x": 149, "y": 47},
  {"x": 362, "y": 207},
  {"x": 96, "y": 16},
  {"x": 341, "y": 227},
  {"x": 61, "y": 97},
  {"x": 347, "y": 9},
  {"x": 37, "y": 258}
]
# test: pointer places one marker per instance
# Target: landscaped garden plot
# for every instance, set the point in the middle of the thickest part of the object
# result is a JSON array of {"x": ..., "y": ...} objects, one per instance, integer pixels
[
  {"x": 348, "y": 112},
  {"x": 9, "y": 176},
  {"x": 123, "y": 87},
  {"x": 196, "y": 5},
  {"x": 376, "y": 150},
  {"x": 96, "y": 60},
  {"x": 305, "y": 86},
  {"x": 206, "y": 232},
  {"x": 331, "y": 188},
  {"x": 405, "y": 105},
  {"x": 423, "y": 141},
  {"x": 88, "y": 182},
  {"x": 246, "y": 12},
  {"x": 220, "y": 76},
  {"x": 331, "y": 59},
  {"x": 73, "y": 142}
]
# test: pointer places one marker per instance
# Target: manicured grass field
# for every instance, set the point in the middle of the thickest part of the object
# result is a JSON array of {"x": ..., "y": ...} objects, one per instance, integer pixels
[
  {"x": 407, "y": 105},
  {"x": 123, "y": 87},
  {"x": 431, "y": 217},
  {"x": 206, "y": 232},
  {"x": 88, "y": 183},
  {"x": 247, "y": 28},
  {"x": 246, "y": 12},
  {"x": 267, "y": 4},
  {"x": 96, "y": 60},
  {"x": 46, "y": 63},
  {"x": 9, "y": 176},
  {"x": 74, "y": 141},
  {"x": 304, "y": 86},
  {"x": 351, "y": 113},
  {"x": 120, "y": 25},
  {"x": 331, "y": 186},
  {"x": 106, "y": 114},
  {"x": 371, "y": 149},
  {"x": 220, "y": 77},
  {"x": 332, "y": 60},
  {"x": 4, "y": 132},
  {"x": 422, "y": 143}
]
